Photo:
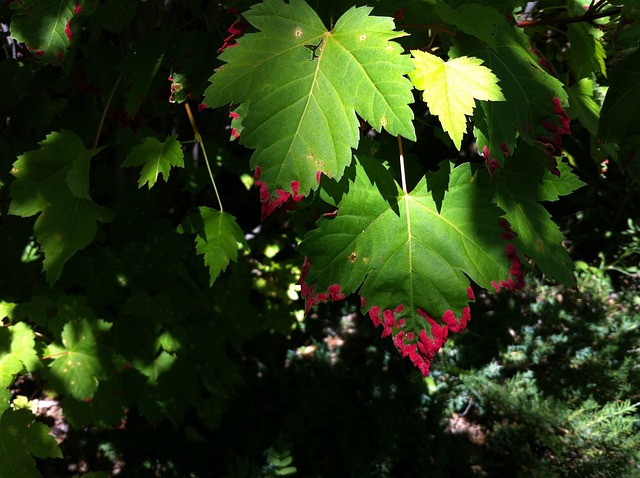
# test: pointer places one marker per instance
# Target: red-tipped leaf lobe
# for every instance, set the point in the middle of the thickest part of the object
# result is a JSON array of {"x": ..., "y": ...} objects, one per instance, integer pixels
[{"x": 269, "y": 205}]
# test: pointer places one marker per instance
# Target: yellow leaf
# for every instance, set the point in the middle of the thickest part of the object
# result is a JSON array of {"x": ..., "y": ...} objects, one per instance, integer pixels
[{"x": 451, "y": 88}]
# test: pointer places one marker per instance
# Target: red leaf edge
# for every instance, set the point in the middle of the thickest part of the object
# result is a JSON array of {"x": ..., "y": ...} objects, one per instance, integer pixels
[{"x": 281, "y": 196}]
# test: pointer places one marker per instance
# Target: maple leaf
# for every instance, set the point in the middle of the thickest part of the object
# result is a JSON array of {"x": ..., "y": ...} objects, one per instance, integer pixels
[
  {"x": 409, "y": 262},
  {"x": 22, "y": 438},
  {"x": 78, "y": 364},
  {"x": 53, "y": 182},
  {"x": 304, "y": 84},
  {"x": 450, "y": 89},
  {"x": 156, "y": 158},
  {"x": 44, "y": 26},
  {"x": 520, "y": 185},
  {"x": 218, "y": 238}
]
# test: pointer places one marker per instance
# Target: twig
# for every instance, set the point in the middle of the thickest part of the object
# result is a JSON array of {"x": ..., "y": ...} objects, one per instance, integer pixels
[
  {"x": 587, "y": 17},
  {"x": 104, "y": 112}
]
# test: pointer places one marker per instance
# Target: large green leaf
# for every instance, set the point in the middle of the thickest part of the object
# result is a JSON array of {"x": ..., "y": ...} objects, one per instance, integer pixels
[
  {"x": 408, "y": 260},
  {"x": 44, "y": 26},
  {"x": 304, "y": 85},
  {"x": 156, "y": 158},
  {"x": 20, "y": 438},
  {"x": 218, "y": 238},
  {"x": 531, "y": 94},
  {"x": 54, "y": 181}
]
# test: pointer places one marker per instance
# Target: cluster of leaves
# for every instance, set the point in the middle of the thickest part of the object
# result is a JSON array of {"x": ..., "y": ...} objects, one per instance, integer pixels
[{"x": 339, "y": 117}]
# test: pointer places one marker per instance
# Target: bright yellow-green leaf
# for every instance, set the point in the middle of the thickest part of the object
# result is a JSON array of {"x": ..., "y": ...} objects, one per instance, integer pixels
[{"x": 451, "y": 88}]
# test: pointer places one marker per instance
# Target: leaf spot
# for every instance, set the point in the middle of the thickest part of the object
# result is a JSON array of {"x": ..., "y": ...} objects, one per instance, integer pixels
[
  {"x": 353, "y": 256},
  {"x": 58, "y": 237},
  {"x": 363, "y": 37},
  {"x": 383, "y": 121},
  {"x": 298, "y": 32}
]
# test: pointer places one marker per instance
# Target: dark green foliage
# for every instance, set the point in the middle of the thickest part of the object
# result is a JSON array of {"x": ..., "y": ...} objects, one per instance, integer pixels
[{"x": 158, "y": 331}]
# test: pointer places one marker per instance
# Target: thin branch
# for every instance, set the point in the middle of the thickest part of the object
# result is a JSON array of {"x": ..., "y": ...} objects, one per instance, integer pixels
[
  {"x": 587, "y": 17},
  {"x": 104, "y": 112}
]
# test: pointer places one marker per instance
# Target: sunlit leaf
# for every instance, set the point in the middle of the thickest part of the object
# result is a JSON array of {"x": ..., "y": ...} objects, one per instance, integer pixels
[
  {"x": 305, "y": 84},
  {"x": 407, "y": 260},
  {"x": 451, "y": 89},
  {"x": 44, "y": 26},
  {"x": 78, "y": 365}
]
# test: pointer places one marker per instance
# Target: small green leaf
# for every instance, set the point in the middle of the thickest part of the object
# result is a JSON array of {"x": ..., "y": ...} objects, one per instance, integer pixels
[
  {"x": 159, "y": 365},
  {"x": 218, "y": 238},
  {"x": 78, "y": 366},
  {"x": 20, "y": 437},
  {"x": 156, "y": 158},
  {"x": 451, "y": 89}
]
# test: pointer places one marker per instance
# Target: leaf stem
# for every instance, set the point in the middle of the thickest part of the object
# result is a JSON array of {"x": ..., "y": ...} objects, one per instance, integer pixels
[
  {"x": 104, "y": 112},
  {"x": 403, "y": 175},
  {"x": 198, "y": 139}
]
